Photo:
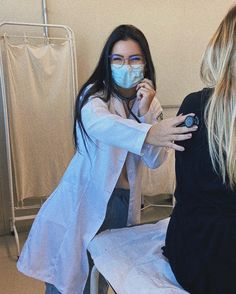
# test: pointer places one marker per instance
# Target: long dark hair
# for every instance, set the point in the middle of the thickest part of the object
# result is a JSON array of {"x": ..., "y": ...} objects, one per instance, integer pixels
[{"x": 101, "y": 79}]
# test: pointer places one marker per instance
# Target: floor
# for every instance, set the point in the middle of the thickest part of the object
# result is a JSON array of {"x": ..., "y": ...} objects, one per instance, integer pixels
[{"x": 13, "y": 282}]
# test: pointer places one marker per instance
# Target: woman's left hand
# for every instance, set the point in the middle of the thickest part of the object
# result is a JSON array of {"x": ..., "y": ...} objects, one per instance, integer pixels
[{"x": 145, "y": 93}]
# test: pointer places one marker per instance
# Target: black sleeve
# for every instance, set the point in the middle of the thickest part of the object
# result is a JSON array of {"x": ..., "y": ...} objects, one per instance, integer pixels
[
  {"x": 190, "y": 104},
  {"x": 193, "y": 103}
]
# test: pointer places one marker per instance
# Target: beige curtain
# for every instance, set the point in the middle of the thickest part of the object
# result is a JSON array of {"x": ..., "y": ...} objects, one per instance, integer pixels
[
  {"x": 160, "y": 180},
  {"x": 40, "y": 107}
]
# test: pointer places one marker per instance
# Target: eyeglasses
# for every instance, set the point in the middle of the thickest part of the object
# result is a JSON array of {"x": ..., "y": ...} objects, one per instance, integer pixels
[{"x": 119, "y": 60}]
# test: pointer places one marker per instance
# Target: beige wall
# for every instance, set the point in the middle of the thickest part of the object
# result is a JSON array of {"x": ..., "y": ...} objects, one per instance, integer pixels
[{"x": 177, "y": 31}]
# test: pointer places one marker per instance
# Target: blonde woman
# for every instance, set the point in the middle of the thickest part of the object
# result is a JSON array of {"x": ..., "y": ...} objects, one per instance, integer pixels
[{"x": 201, "y": 237}]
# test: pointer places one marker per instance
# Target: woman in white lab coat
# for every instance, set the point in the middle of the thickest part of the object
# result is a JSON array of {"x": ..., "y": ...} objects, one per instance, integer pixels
[{"x": 116, "y": 131}]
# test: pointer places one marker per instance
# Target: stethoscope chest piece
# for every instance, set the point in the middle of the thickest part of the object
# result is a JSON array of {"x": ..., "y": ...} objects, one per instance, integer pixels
[{"x": 191, "y": 121}]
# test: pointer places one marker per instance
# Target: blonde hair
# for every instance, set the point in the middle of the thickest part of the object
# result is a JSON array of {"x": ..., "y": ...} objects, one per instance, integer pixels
[{"x": 218, "y": 71}]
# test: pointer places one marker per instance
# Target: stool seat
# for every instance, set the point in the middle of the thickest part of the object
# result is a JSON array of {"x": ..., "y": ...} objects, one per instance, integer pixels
[{"x": 132, "y": 262}]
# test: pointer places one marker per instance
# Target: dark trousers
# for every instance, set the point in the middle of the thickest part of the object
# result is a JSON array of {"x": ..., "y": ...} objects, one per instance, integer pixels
[{"x": 116, "y": 217}]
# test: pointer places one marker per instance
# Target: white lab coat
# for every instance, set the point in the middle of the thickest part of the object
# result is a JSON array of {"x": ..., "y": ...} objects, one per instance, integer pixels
[{"x": 55, "y": 251}]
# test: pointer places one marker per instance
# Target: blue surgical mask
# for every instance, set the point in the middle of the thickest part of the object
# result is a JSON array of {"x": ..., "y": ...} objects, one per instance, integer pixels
[{"x": 127, "y": 77}]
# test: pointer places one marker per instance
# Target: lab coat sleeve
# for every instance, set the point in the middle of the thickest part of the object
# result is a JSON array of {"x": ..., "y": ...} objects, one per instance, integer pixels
[
  {"x": 100, "y": 124},
  {"x": 155, "y": 110},
  {"x": 153, "y": 156}
]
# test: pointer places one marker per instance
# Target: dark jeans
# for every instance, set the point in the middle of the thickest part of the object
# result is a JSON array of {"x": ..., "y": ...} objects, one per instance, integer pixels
[{"x": 116, "y": 217}]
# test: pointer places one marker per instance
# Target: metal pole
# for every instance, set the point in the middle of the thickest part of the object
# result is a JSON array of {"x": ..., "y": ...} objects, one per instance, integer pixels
[
  {"x": 45, "y": 18},
  {"x": 8, "y": 150}
]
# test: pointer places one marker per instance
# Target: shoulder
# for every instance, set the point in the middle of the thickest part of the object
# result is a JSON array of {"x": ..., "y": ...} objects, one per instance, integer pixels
[
  {"x": 92, "y": 90},
  {"x": 195, "y": 102},
  {"x": 90, "y": 93}
]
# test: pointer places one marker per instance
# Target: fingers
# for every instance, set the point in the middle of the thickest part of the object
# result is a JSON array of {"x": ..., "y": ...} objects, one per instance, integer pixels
[
  {"x": 182, "y": 130},
  {"x": 175, "y": 147},
  {"x": 171, "y": 144},
  {"x": 145, "y": 86},
  {"x": 145, "y": 92},
  {"x": 147, "y": 82},
  {"x": 145, "y": 89},
  {"x": 169, "y": 125},
  {"x": 180, "y": 119},
  {"x": 166, "y": 133},
  {"x": 181, "y": 137}
]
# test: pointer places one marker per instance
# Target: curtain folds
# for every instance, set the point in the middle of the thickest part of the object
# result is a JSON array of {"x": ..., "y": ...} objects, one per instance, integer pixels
[{"x": 40, "y": 106}]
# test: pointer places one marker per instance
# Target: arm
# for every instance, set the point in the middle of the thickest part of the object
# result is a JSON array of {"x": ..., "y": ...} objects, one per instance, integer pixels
[
  {"x": 153, "y": 156},
  {"x": 127, "y": 134},
  {"x": 165, "y": 132},
  {"x": 112, "y": 129}
]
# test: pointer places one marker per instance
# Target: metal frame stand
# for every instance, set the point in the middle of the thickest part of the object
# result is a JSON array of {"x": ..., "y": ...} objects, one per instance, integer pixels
[{"x": 69, "y": 35}]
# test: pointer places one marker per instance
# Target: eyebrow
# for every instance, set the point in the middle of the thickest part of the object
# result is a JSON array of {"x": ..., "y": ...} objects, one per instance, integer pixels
[{"x": 115, "y": 54}]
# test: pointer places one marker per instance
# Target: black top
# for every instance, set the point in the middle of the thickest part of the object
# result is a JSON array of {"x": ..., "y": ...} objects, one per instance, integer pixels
[{"x": 201, "y": 237}]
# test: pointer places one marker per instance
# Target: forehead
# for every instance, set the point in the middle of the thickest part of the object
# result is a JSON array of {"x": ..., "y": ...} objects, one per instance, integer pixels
[{"x": 126, "y": 48}]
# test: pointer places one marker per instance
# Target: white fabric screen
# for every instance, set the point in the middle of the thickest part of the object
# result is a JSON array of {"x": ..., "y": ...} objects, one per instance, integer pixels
[
  {"x": 40, "y": 108},
  {"x": 160, "y": 180}
]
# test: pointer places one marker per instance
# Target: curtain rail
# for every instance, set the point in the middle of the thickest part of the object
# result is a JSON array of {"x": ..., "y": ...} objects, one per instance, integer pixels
[
  {"x": 34, "y": 37},
  {"x": 28, "y": 24}
]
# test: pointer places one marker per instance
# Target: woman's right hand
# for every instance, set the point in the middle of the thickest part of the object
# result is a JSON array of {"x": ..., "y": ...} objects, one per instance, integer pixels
[{"x": 165, "y": 133}]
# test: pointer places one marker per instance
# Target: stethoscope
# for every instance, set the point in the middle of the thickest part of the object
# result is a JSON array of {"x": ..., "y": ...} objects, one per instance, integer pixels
[
  {"x": 127, "y": 101},
  {"x": 188, "y": 122}
]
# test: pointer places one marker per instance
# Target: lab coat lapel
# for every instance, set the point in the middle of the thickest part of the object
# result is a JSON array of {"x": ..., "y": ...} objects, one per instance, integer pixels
[{"x": 117, "y": 107}]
